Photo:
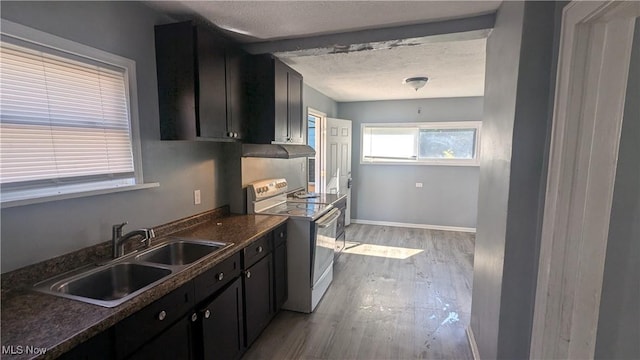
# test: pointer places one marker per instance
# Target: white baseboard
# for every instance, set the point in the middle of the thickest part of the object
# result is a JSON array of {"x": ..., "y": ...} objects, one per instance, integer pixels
[
  {"x": 414, "y": 226},
  {"x": 472, "y": 343}
]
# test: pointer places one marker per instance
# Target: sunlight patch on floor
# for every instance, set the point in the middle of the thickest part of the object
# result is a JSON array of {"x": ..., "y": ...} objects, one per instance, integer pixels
[{"x": 391, "y": 252}]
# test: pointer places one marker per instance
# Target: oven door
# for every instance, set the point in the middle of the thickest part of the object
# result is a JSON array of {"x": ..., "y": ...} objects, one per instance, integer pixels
[{"x": 325, "y": 243}]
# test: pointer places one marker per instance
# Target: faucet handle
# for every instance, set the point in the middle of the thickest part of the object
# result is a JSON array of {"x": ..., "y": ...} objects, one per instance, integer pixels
[
  {"x": 120, "y": 226},
  {"x": 117, "y": 229},
  {"x": 149, "y": 234}
]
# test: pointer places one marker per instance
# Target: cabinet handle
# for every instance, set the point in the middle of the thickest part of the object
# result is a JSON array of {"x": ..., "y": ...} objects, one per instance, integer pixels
[
  {"x": 194, "y": 317},
  {"x": 259, "y": 249},
  {"x": 220, "y": 276},
  {"x": 162, "y": 315},
  {"x": 229, "y": 134},
  {"x": 235, "y": 135},
  {"x": 207, "y": 314},
  {"x": 282, "y": 234},
  {"x": 248, "y": 274}
]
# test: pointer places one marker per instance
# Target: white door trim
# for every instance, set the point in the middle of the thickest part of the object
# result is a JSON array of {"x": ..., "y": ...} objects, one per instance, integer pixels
[
  {"x": 593, "y": 67},
  {"x": 319, "y": 147}
]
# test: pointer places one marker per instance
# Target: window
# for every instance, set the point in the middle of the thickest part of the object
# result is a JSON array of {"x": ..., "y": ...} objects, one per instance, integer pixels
[
  {"x": 436, "y": 143},
  {"x": 65, "y": 118}
]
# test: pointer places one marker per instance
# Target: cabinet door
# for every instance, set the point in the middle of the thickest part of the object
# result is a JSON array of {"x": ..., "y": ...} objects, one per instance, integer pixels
[
  {"x": 175, "y": 65},
  {"x": 281, "y": 94},
  {"x": 296, "y": 122},
  {"x": 236, "y": 92},
  {"x": 257, "y": 298},
  {"x": 280, "y": 276},
  {"x": 99, "y": 347},
  {"x": 173, "y": 343},
  {"x": 222, "y": 324},
  {"x": 211, "y": 84}
]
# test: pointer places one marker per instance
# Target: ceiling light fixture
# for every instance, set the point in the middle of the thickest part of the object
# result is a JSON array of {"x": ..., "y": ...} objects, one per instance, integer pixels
[{"x": 416, "y": 82}]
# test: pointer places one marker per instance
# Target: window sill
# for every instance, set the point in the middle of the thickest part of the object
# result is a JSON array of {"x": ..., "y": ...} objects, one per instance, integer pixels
[
  {"x": 74, "y": 195},
  {"x": 424, "y": 163}
]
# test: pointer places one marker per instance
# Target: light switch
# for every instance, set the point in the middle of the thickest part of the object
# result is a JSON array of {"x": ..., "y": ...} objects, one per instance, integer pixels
[
  {"x": 196, "y": 197},
  {"x": 418, "y": 185}
]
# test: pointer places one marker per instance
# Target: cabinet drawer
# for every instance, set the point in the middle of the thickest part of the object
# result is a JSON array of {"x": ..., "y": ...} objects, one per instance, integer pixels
[
  {"x": 279, "y": 235},
  {"x": 217, "y": 277},
  {"x": 257, "y": 250},
  {"x": 132, "y": 332}
]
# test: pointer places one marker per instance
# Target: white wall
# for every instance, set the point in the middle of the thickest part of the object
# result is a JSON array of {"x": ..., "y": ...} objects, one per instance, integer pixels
[{"x": 388, "y": 192}]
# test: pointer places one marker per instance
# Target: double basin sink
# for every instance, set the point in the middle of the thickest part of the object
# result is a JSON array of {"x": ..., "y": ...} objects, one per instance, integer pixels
[{"x": 113, "y": 283}]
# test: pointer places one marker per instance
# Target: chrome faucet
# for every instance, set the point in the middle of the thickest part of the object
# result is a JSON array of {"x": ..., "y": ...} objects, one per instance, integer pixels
[{"x": 118, "y": 240}]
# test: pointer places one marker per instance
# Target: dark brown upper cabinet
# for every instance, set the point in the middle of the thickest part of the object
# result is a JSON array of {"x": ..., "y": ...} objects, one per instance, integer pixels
[
  {"x": 275, "y": 102},
  {"x": 200, "y": 83}
]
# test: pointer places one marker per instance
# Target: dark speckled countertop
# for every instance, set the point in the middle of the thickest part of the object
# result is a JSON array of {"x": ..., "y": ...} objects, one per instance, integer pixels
[{"x": 57, "y": 324}]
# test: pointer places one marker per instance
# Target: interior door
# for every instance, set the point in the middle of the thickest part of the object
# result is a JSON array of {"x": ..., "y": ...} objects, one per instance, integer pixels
[{"x": 338, "y": 160}]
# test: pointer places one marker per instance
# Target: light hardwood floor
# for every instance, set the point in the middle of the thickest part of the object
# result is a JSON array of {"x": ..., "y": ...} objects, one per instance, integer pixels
[{"x": 397, "y": 293}]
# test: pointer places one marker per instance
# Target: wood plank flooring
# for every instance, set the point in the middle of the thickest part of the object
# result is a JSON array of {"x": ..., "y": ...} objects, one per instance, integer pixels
[{"x": 397, "y": 293}]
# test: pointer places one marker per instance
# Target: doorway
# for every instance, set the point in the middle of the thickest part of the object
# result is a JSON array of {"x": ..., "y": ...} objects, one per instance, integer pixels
[
  {"x": 330, "y": 168},
  {"x": 315, "y": 122},
  {"x": 593, "y": 69}
]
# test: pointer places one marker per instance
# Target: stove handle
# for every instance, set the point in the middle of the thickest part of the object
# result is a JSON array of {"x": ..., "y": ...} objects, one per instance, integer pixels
[{"x": 326, "y": 220}]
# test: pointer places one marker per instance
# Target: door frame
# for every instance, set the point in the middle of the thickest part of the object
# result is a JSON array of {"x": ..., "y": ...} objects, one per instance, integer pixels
[
  {"x": 593, "y": 65},
  {"x": 320, "y": 148}
]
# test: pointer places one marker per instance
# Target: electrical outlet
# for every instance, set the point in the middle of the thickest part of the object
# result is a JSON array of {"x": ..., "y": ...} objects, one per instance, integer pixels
[
  {"x": 418, "y": 185},
  {"x": 196, "y": 197}
]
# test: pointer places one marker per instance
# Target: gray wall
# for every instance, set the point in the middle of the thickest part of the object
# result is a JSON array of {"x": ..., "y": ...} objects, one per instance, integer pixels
[
  {"x": 318, "y": 101},
  {"x": 619, "y": 322},
  {"x": 37, "y": 232},
  {"x": 450, "y": 193},
  {"x": 516, "y": 120}
]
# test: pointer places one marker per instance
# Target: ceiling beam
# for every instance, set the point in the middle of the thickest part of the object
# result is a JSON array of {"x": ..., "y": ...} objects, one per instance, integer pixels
[{"x": 447, "y": 27}]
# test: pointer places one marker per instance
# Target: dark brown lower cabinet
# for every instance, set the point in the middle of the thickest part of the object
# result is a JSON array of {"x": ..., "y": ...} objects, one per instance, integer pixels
[
  {"x": 280, "y": 285},
  {"x": 99, "y": 347},
  {"x": 218, "y": 315},
  {"x": 173, "y": 344},
  {"x": 220, "y": 328},
  {"x": 258, "y": 305},
  {"x": 137, "y": 331}
]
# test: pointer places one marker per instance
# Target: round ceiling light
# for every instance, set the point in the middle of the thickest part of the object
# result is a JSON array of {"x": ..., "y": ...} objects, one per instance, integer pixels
[{"x": 416, "y": 82}]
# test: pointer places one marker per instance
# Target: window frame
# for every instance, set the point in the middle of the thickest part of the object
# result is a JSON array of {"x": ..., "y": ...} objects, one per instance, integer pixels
[
  {"x": 20, "y": 34},
  {"x": 477, "y": 125}
]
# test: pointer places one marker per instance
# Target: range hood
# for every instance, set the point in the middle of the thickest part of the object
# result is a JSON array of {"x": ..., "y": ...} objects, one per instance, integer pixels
[{"x": 277, "y": 151}]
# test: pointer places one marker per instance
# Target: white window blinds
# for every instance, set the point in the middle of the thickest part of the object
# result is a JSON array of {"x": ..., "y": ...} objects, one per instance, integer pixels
[{"x": 61, "y": 119}]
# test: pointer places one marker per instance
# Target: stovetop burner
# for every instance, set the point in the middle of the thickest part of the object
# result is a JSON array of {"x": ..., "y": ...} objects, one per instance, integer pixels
[
  {"x": 270, "y": 197},
  {"x": 298, "y": 210}
]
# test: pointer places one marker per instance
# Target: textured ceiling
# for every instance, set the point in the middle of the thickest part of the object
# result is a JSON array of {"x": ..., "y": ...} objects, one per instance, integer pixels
[
  {"x": 454, "y": 69},
  {"x": 366, "y": 71}
]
